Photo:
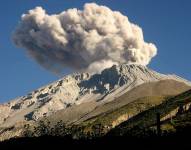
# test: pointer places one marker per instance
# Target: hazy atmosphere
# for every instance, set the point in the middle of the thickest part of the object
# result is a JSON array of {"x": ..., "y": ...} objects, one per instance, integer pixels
[{"x": 158, "y": 36}]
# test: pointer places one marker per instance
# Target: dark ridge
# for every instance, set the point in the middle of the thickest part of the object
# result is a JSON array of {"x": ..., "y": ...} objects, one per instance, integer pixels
[{"x": 180, "y": 141}]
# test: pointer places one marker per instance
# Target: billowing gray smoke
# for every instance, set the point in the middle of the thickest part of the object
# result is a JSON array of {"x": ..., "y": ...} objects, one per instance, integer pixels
[{"x": 91, "y": 39}]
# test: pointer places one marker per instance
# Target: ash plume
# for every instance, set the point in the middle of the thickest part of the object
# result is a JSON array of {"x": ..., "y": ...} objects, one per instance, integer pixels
[{"x": 91, "y": 39}]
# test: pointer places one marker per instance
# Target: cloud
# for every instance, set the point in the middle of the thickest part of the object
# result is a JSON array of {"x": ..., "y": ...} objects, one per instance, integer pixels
[{"x": 91, "y": 39}]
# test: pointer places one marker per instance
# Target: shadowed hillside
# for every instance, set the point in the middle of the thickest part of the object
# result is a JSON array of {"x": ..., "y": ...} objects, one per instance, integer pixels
[{"x": 175, "y": 110}]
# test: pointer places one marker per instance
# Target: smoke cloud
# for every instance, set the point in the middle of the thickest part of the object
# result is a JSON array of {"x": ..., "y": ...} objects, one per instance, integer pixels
[{"x": 91, "y": 39}]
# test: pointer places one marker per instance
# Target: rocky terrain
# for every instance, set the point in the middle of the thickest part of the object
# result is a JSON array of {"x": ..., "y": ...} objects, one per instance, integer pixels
[{"x": 79, "y": 98}]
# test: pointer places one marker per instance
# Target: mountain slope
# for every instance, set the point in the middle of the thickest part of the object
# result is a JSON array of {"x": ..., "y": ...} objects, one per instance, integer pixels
[
  {"x": 170, "y": 109},
  {"x": 140, "y": 113},
  {"x": 85, "y": 111},
  {"x": 79, "y": 88}
]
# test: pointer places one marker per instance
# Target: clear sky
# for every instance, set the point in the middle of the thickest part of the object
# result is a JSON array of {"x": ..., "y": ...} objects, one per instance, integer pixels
[{"x": 167, "y": 23}]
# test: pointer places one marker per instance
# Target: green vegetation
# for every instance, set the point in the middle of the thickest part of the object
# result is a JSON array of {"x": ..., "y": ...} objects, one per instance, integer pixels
[
  {"x": 105, "y": 120},
  {"x": 146, "y": 120}
]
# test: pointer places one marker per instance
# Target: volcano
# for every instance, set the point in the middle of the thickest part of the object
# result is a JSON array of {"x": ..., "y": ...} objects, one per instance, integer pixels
[{"x": 79, "y": 97}]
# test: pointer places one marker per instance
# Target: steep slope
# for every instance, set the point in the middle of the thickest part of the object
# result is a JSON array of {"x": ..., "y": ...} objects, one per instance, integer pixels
[
  {"x": 141, "y": 123},
  {"x": 90, "y": 115},
  {"x": 79, "y": 88},
  {"x": 104, "y": 118},
  {"x": 153, "y": 90}
]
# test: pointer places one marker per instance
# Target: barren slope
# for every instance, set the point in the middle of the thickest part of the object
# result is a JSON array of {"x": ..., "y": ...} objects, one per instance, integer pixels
[{"x": 88, "y": 110}]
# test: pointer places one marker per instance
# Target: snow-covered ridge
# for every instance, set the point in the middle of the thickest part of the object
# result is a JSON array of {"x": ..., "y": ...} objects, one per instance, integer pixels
[{"x": 79, "y": 88}]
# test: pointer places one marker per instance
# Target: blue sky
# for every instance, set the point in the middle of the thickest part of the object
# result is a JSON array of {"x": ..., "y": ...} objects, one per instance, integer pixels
[{"x": 165, "y": 23}]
